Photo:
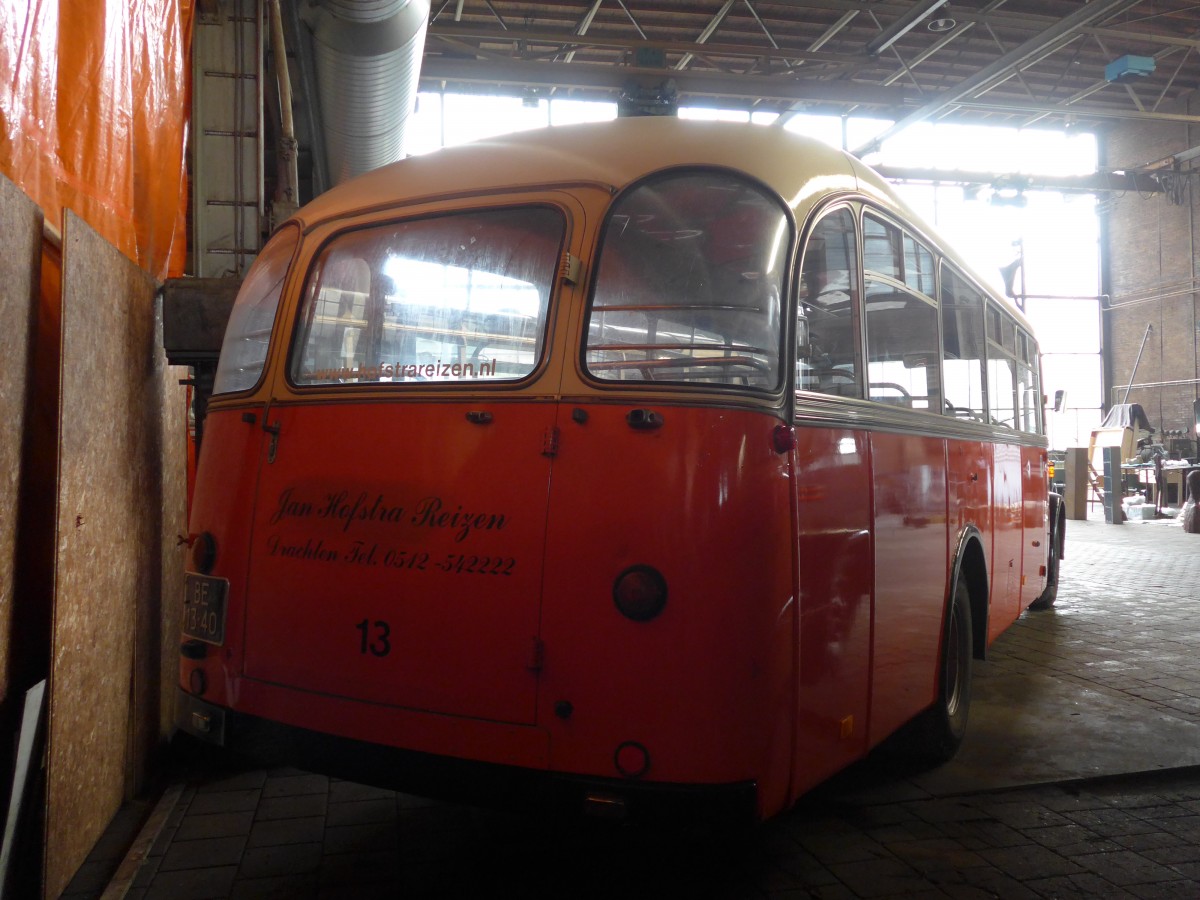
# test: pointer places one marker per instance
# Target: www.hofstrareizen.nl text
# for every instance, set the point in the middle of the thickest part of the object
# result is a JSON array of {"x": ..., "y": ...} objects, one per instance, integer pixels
[{"x": 433, "y": 370}]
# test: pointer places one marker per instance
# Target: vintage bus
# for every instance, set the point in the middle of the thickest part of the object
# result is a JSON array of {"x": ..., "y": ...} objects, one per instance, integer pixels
[{"x": 626, "y": 467}]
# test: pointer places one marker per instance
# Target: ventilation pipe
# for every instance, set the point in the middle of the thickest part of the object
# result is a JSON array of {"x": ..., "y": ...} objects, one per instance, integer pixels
[{"x": 368, "y": 61}]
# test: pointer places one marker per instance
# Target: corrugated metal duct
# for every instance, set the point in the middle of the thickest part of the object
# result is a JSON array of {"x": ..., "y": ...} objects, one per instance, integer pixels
[{"x": 368, "y": 61}]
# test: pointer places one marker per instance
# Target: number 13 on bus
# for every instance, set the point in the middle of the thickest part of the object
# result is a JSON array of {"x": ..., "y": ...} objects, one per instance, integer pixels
[{"x": 652, "y": 464}]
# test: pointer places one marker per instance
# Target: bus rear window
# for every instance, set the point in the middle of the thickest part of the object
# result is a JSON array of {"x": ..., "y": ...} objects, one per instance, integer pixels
[
  {"x": 688, "y": 284},
  {"x": 454, "y": 298}
]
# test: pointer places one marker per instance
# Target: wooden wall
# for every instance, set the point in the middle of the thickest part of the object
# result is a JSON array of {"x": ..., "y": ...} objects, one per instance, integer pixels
[
  {"x": 118, "y": 573},
  {"x": 21, "y": 225}
]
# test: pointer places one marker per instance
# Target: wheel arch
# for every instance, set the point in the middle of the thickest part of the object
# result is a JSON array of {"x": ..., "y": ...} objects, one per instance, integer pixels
[
  {"x": 1058, "y": 522},
  {"x": 1056, "y": 528},
  {"x": 971, "y": 562}
]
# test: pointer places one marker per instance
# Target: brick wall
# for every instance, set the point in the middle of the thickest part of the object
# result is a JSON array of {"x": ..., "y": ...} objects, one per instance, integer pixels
[{"x": 1152, "y": 274}]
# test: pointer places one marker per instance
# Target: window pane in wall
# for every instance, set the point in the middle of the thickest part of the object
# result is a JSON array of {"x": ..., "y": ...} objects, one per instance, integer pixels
[
  {"x": 860, "y": 129},
  {"x": 1072, "y": 427},
  {"x": 823, "y": 128},
  {"x": 572, "y": 112},
  {"x": 1066, "y": 326},
  {"x": 1062, "y": 245},
  {"x": 1077, "y": 374},
  {"x": 470, "y": 118},
  {"x": 423, "y": 133},
  {"x": 708, "y": 114}
]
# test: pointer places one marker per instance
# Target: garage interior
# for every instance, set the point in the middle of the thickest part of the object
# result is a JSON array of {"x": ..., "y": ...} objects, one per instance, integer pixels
[{"x": 150, "y": 148}]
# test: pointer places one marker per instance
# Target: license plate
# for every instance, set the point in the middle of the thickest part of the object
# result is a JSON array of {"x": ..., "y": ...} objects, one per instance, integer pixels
[{"x": 204, "y": 608}]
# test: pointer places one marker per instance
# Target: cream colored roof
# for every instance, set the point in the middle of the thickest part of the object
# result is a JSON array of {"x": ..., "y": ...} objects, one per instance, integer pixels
[
  {"x": 614, "y": 154},
  {"x": 609, "y": 153}
]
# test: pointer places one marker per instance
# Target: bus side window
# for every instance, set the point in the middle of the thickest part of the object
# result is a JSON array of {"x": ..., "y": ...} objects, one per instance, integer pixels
[
  {"x": 1028, "y": 400},
  {"x": 1029, "y": 395},
  {"x": 1002, "y": 368},
  {"x": 827, "y": 357},
  {"x": 962, "y": 347},
  {"x": 902, "y": 354}
]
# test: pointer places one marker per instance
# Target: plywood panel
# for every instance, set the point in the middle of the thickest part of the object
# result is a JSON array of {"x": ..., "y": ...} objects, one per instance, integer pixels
[
  {"x": 109, "y": 583},
  {"x": 159, "y": 615},
  {"x": 21, "y": 225}
]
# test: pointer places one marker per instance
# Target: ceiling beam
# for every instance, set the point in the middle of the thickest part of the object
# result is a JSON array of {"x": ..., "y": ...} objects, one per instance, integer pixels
[
  {"x": 708, "y": 32},
  {"x": 902, "y": 26},
  {"x": 783, "y": 88},
  {"x": 585, "y": 24},
  {"x": 941, "y": 43},
  {"x": 1055, "y": 36},
  {"x": 1142, "y": 37},
  {"x": 1116, "y": 180},
  {"x": 459, "y": 35},
  {"x": 1076, "y": 111},
  {"x": 1174, "y": 161}
]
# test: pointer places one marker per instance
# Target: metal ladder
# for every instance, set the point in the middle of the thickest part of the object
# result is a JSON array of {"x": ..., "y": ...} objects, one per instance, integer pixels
[{"x": 228, "y": 206}]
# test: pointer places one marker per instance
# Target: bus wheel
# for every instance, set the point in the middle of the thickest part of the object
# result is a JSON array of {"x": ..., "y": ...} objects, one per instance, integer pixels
[
  {"x": 939, "y": 730},
  {"x": 1046, "y": 598}
]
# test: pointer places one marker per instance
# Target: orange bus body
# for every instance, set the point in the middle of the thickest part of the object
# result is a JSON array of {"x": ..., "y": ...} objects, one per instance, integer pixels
[{"x": 417, "y": 569}]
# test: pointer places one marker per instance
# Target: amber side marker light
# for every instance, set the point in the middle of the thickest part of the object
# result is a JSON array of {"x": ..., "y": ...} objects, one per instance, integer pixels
[{"x": 640, "y": 593}]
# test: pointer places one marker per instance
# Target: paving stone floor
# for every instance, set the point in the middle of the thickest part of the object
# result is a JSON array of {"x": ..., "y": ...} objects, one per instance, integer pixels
[{"x": 1080, "y": 777}]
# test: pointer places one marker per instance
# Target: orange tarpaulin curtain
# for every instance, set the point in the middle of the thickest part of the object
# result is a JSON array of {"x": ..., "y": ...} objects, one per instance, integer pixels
[
  {"x": 94, "y": 108},
  {"x": 93, "y": 117}
]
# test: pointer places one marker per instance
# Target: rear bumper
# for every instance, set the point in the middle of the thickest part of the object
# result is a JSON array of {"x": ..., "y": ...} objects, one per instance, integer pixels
[{"x": 460, "y": 780}]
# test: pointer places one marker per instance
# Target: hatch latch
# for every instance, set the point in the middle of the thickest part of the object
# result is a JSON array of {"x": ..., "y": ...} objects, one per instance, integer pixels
[{"x": 572, "y": 265}]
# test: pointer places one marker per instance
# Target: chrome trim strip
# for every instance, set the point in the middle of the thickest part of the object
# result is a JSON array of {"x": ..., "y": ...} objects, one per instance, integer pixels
[{"x": 820, "y": 411}]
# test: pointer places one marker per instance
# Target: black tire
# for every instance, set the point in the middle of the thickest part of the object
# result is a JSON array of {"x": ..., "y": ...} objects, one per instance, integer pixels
[
  {"x": 1049, "y": 594},
  {"x": 937, "y": 733}
]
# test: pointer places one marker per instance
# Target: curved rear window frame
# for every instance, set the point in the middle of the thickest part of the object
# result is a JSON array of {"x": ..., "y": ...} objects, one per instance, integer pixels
[
  {"x": 299, "y": 327},
  {"x": 241, "y": 311}
]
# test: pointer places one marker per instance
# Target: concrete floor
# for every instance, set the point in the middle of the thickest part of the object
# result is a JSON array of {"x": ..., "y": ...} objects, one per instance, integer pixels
[
  {"x": 1079, "y": 777},
  {"x": 1105, "y": 683}
]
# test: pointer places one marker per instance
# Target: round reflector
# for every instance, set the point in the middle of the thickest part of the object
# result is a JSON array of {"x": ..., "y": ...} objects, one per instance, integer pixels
[
  {"x": 631, "y": 759},
  {"x": 640, "y": 593},
  {"x": 783, "y": 438},
  {"x": 204, "y": 553}
]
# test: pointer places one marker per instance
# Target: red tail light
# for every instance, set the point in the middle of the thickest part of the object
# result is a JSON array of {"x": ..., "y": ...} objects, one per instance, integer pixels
[{"x": 640, "y": 593}]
